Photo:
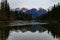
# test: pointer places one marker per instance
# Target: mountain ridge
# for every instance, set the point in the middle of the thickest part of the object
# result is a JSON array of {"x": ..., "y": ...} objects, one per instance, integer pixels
[{"x": 35, "y": 13}]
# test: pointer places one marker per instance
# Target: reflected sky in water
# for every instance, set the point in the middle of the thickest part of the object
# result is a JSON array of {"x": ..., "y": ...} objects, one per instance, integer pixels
[
  {"x": 18, "y": 35},
  {"x": 28, "y": 32}
]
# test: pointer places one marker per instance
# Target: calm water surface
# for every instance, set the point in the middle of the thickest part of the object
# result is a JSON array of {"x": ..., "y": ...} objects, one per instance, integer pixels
[
  {"x": 27, "y": 32},
  {"x": 32, "y": 32},
  {"x": 30, "y": 36}
]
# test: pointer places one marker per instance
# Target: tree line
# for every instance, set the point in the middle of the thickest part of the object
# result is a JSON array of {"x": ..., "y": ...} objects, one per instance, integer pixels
[
  {"x": 52, "y": 15},
  {"x": 53, "y": 18},
  {"x": 8, "y": 15}
]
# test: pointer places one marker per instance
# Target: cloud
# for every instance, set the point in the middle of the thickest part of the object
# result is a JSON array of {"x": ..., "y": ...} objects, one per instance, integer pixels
[{"x": 32, "y": 3}]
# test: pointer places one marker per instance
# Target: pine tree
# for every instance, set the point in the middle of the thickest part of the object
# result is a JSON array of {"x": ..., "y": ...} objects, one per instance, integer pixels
[{"x": 5, "y": 11}]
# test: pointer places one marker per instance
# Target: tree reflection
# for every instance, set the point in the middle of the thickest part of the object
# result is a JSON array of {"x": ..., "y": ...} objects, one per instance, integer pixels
[
  {"x": 54, "y": 28},
  {"x": 4, "y": 31}
]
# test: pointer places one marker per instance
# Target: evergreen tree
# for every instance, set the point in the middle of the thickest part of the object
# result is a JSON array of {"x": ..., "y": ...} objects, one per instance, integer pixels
[{"x": 5, "y": 11}]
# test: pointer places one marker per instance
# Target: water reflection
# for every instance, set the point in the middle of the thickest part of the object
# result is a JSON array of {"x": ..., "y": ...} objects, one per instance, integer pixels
[
  {"x": 28, "y": 32},
  {"x": 32, "y": 28},
  {"x": 54, "y": 29},
  {"x": 4, "y": 31},
  {"x": 30, "y": 36}
]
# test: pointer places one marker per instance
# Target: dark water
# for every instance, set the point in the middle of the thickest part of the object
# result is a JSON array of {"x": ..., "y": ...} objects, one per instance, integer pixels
[{"x": 29, "y": 32}]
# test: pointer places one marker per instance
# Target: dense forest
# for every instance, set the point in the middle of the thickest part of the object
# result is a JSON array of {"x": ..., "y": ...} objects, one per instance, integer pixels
[
  {"x": 53, "y": 18},
  {"x": 53, "y": 15},
  {"x": 6, "y": 14}
]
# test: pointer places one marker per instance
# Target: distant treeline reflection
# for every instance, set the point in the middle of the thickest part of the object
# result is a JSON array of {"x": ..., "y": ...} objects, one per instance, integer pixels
[
  {"x": 4, "y": 31},
  {"x": 54, "y": 29}
]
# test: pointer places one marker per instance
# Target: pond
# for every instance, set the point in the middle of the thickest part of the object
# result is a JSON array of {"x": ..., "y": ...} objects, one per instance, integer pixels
[{"x": 28, "y": 32}]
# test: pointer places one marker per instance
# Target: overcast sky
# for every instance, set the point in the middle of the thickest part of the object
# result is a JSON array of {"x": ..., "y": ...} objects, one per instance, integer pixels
[{"x": 32, "y": 3}]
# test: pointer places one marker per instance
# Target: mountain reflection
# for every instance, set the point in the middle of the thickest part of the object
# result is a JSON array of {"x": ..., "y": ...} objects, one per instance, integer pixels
[
  {"x": 5, "y": 31},
  {"x": 32, "y": 28}
]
